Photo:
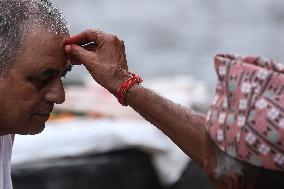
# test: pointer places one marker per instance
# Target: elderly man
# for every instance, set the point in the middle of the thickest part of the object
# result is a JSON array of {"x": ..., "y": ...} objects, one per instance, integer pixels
[
  {"x": 32, "y": 62},
  {"x": 239, "y": 145}
]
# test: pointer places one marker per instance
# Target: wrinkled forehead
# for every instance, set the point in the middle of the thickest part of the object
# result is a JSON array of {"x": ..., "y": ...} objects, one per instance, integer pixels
[
  {"x": 38, "y": 39},
  {"x": 42, "y": 48}
]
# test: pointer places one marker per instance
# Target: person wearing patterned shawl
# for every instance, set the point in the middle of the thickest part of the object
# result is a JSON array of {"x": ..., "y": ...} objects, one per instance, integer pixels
[{"x": 239, "y": 144}]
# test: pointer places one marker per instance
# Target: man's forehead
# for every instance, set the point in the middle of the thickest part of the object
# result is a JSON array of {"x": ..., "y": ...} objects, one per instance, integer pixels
[
  {"x": 38, "y": 36},
  {"x": 42, "y": 50}
]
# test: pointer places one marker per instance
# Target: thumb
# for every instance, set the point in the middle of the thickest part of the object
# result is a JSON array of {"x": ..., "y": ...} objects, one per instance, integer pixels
[{"x": 78, "y": 54}]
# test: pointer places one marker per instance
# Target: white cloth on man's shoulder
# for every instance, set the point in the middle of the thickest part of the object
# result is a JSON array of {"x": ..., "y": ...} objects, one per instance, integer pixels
[{"x": 6, "y": 144}]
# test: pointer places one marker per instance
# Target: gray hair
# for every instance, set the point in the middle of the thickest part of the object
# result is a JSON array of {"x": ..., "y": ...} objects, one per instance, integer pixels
[
  {"x": 17, "y": 17},
  {"x": 227, "y": 164}
]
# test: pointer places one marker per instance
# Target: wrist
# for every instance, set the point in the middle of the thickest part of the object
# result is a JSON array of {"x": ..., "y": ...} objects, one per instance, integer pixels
[
  {"x": 116, "y": 82},
  {"x": 131, "y": 82},
  {"x": 132, "y": 93}
]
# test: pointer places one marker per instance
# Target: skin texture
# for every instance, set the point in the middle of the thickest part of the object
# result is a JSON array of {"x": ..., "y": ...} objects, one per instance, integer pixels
[
  {"x": 106, "y": 63},
  {"x": 108, "y": 66},
  {"x": 33, "y": 83},
  {"x": 229, "y": 181},
  {"x": 187, "y": 129}
]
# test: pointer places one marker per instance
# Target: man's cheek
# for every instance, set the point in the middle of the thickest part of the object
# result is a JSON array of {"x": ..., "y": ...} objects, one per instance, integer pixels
[{"x": 25, "y": 108}]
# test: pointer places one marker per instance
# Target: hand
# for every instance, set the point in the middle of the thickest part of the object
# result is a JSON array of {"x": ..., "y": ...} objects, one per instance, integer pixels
[{"x": 106, "y": 63}]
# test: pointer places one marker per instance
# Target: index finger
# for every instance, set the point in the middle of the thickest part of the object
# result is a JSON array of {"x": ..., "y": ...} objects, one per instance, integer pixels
[{"x": 86, "y": 37}]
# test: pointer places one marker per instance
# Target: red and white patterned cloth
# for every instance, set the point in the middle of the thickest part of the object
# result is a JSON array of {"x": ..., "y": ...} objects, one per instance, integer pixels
[{"x": 246, "y": 119}]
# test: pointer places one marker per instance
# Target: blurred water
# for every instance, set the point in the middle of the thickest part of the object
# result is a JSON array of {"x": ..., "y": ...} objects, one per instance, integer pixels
[{"x": 167, "y": 37}]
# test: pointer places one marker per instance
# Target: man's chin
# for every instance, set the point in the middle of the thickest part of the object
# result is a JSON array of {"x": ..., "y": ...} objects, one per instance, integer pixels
[
  {"x": 32, "y": 131},
  {"x": 35, "y": 125}
]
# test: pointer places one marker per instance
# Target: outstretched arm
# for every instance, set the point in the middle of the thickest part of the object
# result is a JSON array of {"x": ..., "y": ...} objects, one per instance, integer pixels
[
  {"x": 108, "y": 66},
  {"x": 185, "y": 127}
]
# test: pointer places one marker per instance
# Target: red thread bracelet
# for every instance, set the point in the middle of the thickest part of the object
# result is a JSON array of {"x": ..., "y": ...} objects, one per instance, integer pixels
[{"x": 122, "y": 90}]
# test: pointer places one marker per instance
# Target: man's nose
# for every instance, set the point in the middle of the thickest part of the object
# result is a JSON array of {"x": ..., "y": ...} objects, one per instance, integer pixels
[{"x": 55, "y": 93}]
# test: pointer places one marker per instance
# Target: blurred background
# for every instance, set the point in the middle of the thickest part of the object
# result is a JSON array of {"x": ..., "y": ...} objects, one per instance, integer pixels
[
  {"x": 167, "y": 38},
  {"x": 91, "y": 142}
]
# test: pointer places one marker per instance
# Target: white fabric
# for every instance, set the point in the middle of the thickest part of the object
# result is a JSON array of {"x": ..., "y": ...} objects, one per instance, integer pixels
[
  {"x": 83, "y": 136},
  {"x": 126, "y": 129},
  {"x": 6, "y": 143}
]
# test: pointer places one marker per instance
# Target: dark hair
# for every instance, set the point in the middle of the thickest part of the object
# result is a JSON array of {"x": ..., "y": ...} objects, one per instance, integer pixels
[
  {"x": 17, "y": 17},
  {"x": 258, "y": 178}
]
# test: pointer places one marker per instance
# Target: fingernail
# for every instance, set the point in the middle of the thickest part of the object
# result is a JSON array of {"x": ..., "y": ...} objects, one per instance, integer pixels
[{"x": 68, "y": 48}]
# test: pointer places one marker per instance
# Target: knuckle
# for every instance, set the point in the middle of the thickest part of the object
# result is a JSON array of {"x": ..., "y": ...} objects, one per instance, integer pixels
[
  {"x": 102, "y": 35},
  {"x": 89, "y": 32},
  {"x": 116, "y": 38},
  {"x": 113, "y": 38}
]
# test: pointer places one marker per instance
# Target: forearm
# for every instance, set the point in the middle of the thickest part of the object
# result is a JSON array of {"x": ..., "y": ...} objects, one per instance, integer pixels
[
  {"x": 186, "y": 128},
  {"x": 107, "y": 64}
]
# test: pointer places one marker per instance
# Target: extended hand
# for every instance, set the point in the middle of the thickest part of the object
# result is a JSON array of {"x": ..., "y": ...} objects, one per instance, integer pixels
[{"x": 106, "y": 63}]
